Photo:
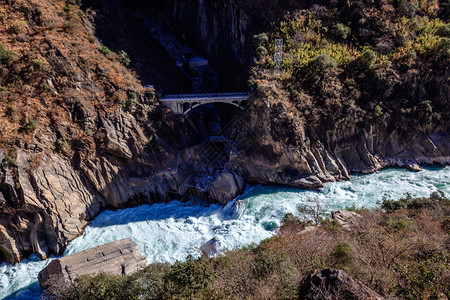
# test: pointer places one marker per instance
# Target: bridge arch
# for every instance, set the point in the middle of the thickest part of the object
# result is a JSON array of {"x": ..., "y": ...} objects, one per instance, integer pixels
[
  {"x": 196, "y": 104},
  {"x": 183, "y": 104},
  {"x": 186, "y": 107}
]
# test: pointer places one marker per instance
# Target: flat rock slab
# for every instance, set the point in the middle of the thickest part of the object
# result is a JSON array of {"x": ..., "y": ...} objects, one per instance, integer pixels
[{"x": 119, "y": 257}]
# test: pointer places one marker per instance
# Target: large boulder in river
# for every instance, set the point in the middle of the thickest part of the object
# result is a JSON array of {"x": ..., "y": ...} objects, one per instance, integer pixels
[
  {"x": 334, "y": 284},
  {"x": 226, "y": 187},
  {"x": 119, "y": 257}
]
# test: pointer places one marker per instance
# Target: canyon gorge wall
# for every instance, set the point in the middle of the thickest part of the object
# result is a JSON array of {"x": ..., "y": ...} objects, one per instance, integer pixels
[{"x": 93, "y": 157}]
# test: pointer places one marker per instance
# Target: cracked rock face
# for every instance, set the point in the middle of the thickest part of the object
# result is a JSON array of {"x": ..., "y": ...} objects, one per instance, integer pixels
[
  {"x": 46, "y": 199},
  {"x": 316, "y": 157},
  {"x": 119, "y": 257},
  {"x": 45, "y": 205}
]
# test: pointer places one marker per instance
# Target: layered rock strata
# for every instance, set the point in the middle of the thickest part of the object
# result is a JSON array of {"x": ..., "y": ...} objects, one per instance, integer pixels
[
  {"x": 46, "y": 206},
  {"x": 119, "y": 257}
]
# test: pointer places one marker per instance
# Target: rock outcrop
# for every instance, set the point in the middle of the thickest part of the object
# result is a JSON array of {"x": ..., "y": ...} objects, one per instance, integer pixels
[
  {"x": 345, "y": 218},
  {"x": 45, "y": 205},
  {"x": 306, "y": 157},
  {"x": 335, "y": 284},
  {"x": 119, "y": 257},
  {"x": 225, "y": 187}
]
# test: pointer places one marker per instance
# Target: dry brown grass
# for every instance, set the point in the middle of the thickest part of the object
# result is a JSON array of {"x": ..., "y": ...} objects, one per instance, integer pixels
[
  {"x": 42, "y": 31},
  {"x": 399, "y": 254}
]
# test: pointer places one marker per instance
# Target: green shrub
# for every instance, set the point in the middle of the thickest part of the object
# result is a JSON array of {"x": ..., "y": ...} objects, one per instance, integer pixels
[
  {"x": 186, "y": 279},
  {"x": 407, "y": 8},
  {"x": 261, "y": 52},
  {"x": 151, "y": 280},
  {"x": 62, "y": 144},
  {"x": 131, "y": 101},
  {"x": 342, "y": 253},
  {"x": 10, "y": 159},
  {"x": 103, "y": 286},
  {"x": 431, "y": 46},
  {"x": 368, "y": 59},
  {"x": 341, "y": 31},
  {"x": 124, "y": 58},
  {"x": 324, "y": 62},
  {"x": 37, "y": 64},
  {"x": 67, "y": 8},
  {"x": 331, "y": 225},
  {"x": 31, "y": 125},
  {"x": 260, "y": 40},
  {"x": 356, "y": 209},
  {"x": 436, "y": 199},
  {"x": 444, "y": 30},
  {"x": 106, "y": 50},
  {"x": 289, "y": 218},
  {"x": 46, "y": 87},
  {"x": 290, "y": 222},
  {"x": 424, "y": 279},
  {"x": 6, "y": 57},
  {"x": 68, "y": 27},
  {"x": 378, "y": 111},
  {"x": 399, "y": 223},
  {"x": 18, "y": 27}
]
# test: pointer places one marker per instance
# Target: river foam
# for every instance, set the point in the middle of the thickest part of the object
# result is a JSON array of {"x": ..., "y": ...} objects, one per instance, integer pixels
[{"x": 169, "y": 232}]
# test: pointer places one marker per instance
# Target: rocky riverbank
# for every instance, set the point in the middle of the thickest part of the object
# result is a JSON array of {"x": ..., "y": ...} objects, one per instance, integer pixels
[{"x": 50, "y": 204}]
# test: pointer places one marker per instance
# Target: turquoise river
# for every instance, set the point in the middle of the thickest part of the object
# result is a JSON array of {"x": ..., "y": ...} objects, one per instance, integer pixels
[{"x": 171, "y": 231}]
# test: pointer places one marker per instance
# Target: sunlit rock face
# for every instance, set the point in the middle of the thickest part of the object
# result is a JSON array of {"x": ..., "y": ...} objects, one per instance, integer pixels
[{"x": 118, "y": 257}]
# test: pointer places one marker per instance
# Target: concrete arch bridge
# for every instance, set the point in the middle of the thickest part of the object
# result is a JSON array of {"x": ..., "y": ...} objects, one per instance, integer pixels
[{"x": 183, "y": 103}]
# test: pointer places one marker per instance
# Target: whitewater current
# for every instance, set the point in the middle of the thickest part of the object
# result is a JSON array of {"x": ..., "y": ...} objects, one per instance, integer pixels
[{"x": 169, "y": 232}]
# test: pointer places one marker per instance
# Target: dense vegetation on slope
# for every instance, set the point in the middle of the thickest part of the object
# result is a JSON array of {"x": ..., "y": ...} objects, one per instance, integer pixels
[
  {"x": 382, "y": 62},
  {"x": 399, "y": 250},
  {"x": 58, "y": 78},
  {"x": 50, "y": 63}
]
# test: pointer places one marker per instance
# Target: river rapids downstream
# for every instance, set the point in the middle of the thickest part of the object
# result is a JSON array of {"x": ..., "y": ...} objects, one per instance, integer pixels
[{"x": 169, "y": 232}]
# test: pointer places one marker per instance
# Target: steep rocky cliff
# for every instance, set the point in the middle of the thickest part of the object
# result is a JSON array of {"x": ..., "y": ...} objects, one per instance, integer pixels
[
  {"x": 219, "y": 30},
  {"x": 75, "y": 125},
  {"x": 333, "y": 154}
]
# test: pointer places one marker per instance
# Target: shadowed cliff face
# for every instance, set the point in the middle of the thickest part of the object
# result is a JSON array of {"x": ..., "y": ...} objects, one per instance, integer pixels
[
  {"x": 218, "y": 30},
  {"x": 319, "y": 155},
  {"x": 116, "y": 27}
]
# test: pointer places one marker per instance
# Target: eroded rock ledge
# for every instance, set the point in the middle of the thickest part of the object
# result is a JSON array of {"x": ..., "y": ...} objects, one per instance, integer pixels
[
  {"x": 44, "y": 207},
  {"x": 119, "y": 257}
]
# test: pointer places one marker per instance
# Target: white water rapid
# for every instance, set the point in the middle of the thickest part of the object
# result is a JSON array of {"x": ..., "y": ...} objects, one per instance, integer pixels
[{"x": 170, "y": 232}]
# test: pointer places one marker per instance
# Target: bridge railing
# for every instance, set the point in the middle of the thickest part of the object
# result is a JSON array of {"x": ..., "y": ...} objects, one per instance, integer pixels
[{"x": 204, "y": 96}]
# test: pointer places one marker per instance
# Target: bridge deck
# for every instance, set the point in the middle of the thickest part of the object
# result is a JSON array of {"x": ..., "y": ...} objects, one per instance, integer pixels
[{"x": 205, "y": 97}]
